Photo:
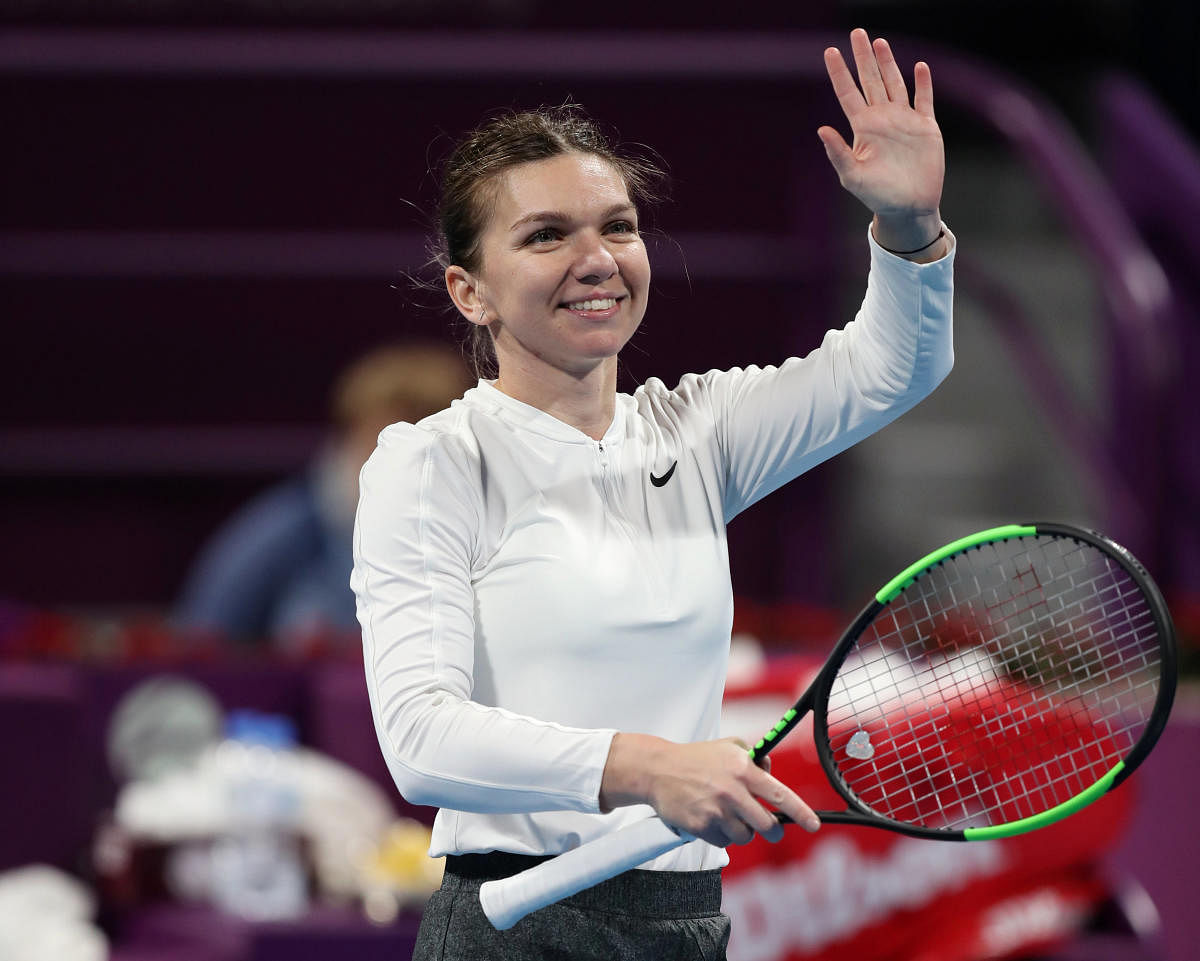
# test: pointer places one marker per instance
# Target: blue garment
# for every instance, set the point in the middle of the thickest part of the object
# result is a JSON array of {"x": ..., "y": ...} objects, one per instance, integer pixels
[{"x": 280, "y": 566}]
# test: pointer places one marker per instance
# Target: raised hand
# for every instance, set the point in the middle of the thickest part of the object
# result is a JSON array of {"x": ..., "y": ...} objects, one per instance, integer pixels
[{"x": 897, "y": 162}]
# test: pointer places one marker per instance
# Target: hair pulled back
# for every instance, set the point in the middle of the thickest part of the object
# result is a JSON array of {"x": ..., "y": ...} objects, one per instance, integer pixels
[{"x": 469, "y": 183}]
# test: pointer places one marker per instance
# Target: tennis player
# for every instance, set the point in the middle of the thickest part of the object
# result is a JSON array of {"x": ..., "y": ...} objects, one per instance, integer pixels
[{"x": 541, "y": 570}]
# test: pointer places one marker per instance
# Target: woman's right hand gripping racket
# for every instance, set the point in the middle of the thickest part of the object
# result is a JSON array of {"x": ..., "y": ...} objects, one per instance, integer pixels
[{"x": 996, "y": 686}]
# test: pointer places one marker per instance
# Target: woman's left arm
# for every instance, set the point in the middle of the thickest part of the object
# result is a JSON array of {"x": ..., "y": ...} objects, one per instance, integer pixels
[
  {"x": 777, "y": 423},
  {"x": 774, "y": 423},
  {"x": 897, "y": 163}
]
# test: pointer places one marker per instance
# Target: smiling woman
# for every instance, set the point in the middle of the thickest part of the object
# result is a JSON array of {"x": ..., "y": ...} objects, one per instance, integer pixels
[
  {"x": 561, "y": 285},
  {"x": 541, "y": 570},
  {"x": 479, "y": 172}
]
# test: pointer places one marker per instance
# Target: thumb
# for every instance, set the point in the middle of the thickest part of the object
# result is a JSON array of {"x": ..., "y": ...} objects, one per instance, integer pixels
[{"x": 837, "y": 150}]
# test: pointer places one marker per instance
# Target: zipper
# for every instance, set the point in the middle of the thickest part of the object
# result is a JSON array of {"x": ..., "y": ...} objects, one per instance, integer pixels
[
  {"x": 609, "y": 491},
  {"x": 606, "y": 489}
]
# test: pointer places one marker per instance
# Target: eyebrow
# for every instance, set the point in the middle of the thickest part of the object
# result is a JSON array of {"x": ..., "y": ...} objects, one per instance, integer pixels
[{"x": 555, "y": 216}]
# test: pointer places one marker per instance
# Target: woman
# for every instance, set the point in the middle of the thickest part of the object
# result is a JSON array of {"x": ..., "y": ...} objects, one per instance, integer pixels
[{"x": 541, "y": 570}]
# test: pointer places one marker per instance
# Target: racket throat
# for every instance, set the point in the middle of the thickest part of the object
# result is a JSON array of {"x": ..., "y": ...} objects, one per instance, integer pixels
[{"x": 790, "y": 719}]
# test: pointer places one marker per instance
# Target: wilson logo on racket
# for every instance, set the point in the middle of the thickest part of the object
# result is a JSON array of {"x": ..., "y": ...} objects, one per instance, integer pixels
[{"x": 994, "y": 687}]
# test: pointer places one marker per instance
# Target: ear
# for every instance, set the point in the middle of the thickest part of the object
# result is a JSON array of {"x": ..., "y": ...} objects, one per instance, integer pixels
[{"x": 464, "y": 289}]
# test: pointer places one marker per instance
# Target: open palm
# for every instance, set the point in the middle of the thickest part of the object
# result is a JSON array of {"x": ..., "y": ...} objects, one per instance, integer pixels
[{"x": 897, "y": 162}]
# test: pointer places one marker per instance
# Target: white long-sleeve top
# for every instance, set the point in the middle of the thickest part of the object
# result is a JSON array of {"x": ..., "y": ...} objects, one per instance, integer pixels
[{"x": 525, "y": 591}]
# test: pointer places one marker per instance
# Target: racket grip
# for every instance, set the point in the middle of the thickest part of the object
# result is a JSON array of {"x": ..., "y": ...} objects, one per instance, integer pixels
[{"x": 508, "y": 900}]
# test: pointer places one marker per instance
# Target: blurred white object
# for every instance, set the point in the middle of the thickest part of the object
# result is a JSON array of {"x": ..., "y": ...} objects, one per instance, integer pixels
[
  {"x": 747, "y": 662},
  {"x": 257, "y": 867},
  {"x": 259, "y": 874},
  {"x": 341, "y": 814},
  {"x": 162, "y": 725},
  {"x": 188, "y": 872},
  {"x": 45, "y": 915}
]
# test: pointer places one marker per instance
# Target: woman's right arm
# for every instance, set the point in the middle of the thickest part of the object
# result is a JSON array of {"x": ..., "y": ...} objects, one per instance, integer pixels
[
  {"x": 415, "y": 541},
  {"x": 711, "y": 789}
]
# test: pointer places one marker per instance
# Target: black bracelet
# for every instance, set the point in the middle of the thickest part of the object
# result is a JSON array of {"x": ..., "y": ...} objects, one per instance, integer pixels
[{"x": 905, "y": 253}]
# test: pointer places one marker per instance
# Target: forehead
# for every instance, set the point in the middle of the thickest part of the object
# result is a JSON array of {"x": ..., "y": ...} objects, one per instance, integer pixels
[{"x": 571, "y": 183}]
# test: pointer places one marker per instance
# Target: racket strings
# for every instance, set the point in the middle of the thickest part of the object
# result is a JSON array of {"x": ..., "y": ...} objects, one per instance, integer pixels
[
  {"x": 1027, "y": 650},
  {"x": 1021, "y": 581},
  {"x": 1000, "y": 683}
]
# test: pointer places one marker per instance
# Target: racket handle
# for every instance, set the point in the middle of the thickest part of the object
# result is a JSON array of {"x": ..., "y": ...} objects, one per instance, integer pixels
[{"x": 508, "y": 900}]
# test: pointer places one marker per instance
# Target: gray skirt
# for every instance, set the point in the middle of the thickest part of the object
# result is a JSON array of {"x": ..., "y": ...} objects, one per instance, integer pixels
[{"x": 636, "y": 916}]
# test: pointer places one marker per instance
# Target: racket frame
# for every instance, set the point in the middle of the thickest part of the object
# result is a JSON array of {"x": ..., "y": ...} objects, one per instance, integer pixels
[{"x": 816, "y": 697}]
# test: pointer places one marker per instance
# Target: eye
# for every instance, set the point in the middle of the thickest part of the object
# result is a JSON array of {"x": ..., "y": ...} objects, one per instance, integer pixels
[
  {"x": 622, "y": 227},
  {"x": 544, "y": 235}
]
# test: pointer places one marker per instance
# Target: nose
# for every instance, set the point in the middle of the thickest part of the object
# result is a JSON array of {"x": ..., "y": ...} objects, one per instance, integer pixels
[{"x": 594, "y": 263}]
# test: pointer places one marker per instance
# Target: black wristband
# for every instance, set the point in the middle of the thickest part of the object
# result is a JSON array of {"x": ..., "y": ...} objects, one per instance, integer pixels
[{"x": 905, "y": 253}]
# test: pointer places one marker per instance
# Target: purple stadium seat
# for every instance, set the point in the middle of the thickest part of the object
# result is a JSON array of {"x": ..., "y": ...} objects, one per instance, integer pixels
[{"x": 44, "y": 815}]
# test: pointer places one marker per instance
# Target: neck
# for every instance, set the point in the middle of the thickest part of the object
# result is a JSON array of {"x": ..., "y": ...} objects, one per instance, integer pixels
[{"x": 585, "y": 400}]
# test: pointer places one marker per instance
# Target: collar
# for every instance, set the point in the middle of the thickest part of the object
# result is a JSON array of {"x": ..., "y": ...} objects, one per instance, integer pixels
[{"x": 528, "y": 417}]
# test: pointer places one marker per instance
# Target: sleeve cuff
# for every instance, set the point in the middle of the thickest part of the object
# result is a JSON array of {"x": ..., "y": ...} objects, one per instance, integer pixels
[{"x": 878, "y": 252}]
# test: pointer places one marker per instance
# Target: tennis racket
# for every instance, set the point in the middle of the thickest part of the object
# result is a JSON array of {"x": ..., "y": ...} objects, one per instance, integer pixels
[{"x": 994, "y": 687}]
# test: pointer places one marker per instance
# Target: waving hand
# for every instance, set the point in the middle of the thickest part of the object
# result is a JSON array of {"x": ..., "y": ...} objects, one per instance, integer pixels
[{"x": 897, "y": 163}]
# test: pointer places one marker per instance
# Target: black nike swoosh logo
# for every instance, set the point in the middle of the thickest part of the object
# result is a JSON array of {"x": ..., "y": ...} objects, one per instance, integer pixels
[{"x": 659, "y": 481}]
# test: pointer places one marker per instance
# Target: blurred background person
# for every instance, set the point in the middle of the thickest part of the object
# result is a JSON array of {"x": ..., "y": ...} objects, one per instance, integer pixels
[{"x": 278, "y": 571}]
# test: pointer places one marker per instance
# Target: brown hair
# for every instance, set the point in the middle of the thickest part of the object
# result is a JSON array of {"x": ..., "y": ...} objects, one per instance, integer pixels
[
  {"x": 469, "y": 177},
  {"x": 398, "y": 382}
]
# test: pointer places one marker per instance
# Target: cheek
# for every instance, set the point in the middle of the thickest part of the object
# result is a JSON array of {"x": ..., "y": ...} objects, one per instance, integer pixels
[
  {"x": 635, "y": 267},
  {"x": 536, "y": 280}
]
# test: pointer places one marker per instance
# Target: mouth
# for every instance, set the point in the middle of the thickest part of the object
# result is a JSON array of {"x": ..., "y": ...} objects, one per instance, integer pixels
[{"x": 593, "y": 307}]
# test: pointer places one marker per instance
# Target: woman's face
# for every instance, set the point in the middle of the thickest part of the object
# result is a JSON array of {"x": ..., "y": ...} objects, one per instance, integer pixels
[{"x": 563, "y": 273}]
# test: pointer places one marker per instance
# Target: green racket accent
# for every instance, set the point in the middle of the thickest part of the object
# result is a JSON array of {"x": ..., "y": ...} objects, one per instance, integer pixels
[
  {"x": 1057, "y": 813},
  {"x": 909, "y": 574},
  {"x": 774, "y": 732}
]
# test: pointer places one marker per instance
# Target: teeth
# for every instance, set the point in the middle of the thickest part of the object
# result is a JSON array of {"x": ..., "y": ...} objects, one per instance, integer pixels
[{"x": 604, "y": 304}]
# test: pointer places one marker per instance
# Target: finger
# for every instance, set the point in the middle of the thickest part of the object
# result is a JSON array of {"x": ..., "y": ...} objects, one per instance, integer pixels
[
  {"x": 844, "y": 87},
  {"x": 761, "y": 821},
  {"x": 838, "y": 152},
  {"x": 785, "y": 800},
  {"x": 869, "y": 77},
  {"x": 727, "y": 831},
  {"x": 893, "y": 79},
  {"x": 775, "y": 834},
  {"x": 741, "y": 831},
  {"x": 744, "y": 808},
  {"x": 923, "y": 90}
]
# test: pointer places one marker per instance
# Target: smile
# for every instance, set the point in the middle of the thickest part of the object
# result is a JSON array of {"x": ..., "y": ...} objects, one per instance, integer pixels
[{"x": 605, "y": 303}]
